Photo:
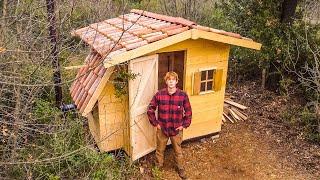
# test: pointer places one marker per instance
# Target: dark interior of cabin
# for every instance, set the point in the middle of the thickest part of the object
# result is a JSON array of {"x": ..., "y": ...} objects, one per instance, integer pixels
[{"x": 171, "y": 61}]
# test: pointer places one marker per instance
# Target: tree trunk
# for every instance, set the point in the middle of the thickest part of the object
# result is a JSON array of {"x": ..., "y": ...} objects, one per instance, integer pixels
[
  {"x": 17, "y": 122},
  {"x": 54, "y": 51},
  {"x": 3, "y": 23},
  {"x": 4, "y": 9},
  {"x": 317, "y": 109},
  {"x": 17, "y": 79},
  {"x": 288, "y": 11},
  {"x": 263, "y": 78}
]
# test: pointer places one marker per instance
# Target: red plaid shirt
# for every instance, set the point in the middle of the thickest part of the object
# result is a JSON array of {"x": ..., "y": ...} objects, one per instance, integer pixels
[{"x": 173, "y": 111}]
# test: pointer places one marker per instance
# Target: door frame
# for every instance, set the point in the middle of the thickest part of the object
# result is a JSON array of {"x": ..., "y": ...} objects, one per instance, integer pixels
[{"x": 184, "y": 64}]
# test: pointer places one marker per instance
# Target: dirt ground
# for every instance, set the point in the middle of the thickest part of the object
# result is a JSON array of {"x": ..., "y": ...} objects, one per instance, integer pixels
[{"x": 262, "y": 147}]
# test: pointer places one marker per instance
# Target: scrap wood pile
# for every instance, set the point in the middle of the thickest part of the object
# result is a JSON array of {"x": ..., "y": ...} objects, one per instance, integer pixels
[{"x": 233, "y": 111}]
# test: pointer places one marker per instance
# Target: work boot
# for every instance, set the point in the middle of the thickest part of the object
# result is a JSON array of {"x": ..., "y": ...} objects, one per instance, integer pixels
[{"x": 182, "y": 174}]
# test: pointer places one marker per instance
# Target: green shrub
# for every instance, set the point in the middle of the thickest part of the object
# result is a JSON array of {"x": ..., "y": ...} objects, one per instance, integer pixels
[
  {"x": 304, "y": 119},
  {"x": 310, "y": 123},
  {"x": 62, "y": 148}
]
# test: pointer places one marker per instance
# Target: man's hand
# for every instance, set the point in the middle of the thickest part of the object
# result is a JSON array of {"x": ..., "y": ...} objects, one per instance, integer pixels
[
  {"x": 158, "y": 126},
  {"x": 179, "y": 128}
]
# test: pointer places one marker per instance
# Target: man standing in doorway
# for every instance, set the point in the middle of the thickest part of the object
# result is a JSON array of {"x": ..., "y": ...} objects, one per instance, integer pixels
[{"x": 174, "y": 114}]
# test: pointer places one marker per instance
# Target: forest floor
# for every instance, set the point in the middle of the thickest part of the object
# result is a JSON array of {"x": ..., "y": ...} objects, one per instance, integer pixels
[{"x": 262, "y": 147}]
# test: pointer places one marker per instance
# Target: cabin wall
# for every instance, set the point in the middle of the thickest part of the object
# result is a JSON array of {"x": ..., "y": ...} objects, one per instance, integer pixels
[
  {"x": 109, "y": 121},
  {"x": 207, "y": 108},
  {"x": 113, "y": 113},
  {"x": 94, "y": 125}
]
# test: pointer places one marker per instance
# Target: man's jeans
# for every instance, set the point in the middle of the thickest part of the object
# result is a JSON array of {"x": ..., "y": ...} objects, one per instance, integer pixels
[{"x": 176, "y": 144}]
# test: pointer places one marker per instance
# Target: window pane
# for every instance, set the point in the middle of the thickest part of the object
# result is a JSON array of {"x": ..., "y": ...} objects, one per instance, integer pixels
[
  {"x": 203, "y": 75},
  {"x": 209, "y": 85},
  {"x": 203, "y": 86},
  {"x": 210, "y": 74}
]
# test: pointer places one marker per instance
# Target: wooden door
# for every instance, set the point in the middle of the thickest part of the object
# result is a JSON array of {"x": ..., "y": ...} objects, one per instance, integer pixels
[{"x": 141, "y": 91}]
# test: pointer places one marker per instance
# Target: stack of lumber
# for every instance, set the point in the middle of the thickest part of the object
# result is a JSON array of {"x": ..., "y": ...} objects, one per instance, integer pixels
[{"x": 233, "y": 111}]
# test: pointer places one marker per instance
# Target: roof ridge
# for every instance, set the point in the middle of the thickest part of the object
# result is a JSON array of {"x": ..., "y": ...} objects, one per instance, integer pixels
[{"x": 177, "y": 20}]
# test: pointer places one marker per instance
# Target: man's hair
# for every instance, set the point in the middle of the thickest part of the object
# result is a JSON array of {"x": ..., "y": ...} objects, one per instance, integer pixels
[{"x": 171, "y": 74}]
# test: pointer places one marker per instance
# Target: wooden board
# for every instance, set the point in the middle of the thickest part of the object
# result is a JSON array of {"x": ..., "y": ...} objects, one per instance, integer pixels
[
  {"x": 196, "y": 83},
  {"x": 225, "y": 39},
  {"x": 223, "y": 119},
  {"x": 141, "y": 91},
  {"x": 228, "y": 117},
  {"x": 236, "y": 104},
  {"x": 143, "y": 50},
  {"x": 218, "y": 79},
  {"x": 234, "y": 115},
  {"x": 190, "y": 34},
  {"x": 240, "y": 114}
]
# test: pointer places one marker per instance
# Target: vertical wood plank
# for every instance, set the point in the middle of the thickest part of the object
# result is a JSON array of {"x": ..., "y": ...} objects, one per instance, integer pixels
[
  {"x": 196, "y": 83},
  {"x": 218, "y": 79}
]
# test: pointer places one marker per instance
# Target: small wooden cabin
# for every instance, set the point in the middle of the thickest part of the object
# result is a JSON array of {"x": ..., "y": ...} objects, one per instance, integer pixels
[{"x": 150, "y": 45}]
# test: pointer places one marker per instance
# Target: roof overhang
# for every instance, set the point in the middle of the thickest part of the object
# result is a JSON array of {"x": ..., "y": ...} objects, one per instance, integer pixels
[
  {"x": 196, "y": 34},
  {"x": 190, "y": 34}
]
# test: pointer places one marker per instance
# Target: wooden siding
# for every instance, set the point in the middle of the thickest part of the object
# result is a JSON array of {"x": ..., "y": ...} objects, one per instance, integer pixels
[
  {"x": 113, "y": 113},
  {"x": 207, "y": 108},
  {"x": 94, "y": 125}
]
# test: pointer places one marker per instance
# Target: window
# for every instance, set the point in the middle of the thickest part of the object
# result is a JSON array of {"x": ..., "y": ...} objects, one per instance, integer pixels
[{"x": 207, "y": 81}]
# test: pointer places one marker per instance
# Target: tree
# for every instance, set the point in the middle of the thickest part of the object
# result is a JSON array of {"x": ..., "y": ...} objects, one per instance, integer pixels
[
  {"x": 288, "y": 11},
  {"x": 54, "y": 51}
]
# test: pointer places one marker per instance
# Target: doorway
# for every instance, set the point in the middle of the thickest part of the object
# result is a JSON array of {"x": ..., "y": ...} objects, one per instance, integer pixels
[{"x": 171, "y": 61}]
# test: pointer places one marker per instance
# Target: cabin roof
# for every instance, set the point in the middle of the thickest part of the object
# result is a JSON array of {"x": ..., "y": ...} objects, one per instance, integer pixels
[{"x": 131, "y": 35}]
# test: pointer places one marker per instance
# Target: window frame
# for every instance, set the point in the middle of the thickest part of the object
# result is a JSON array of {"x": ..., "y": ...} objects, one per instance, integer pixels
[{"x": 207, "y": 80}]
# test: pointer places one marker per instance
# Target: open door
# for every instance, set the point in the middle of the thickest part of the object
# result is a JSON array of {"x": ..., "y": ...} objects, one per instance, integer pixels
[
  {"x": 141, "y": 91},
  {"x": 171, "y": 61}
]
